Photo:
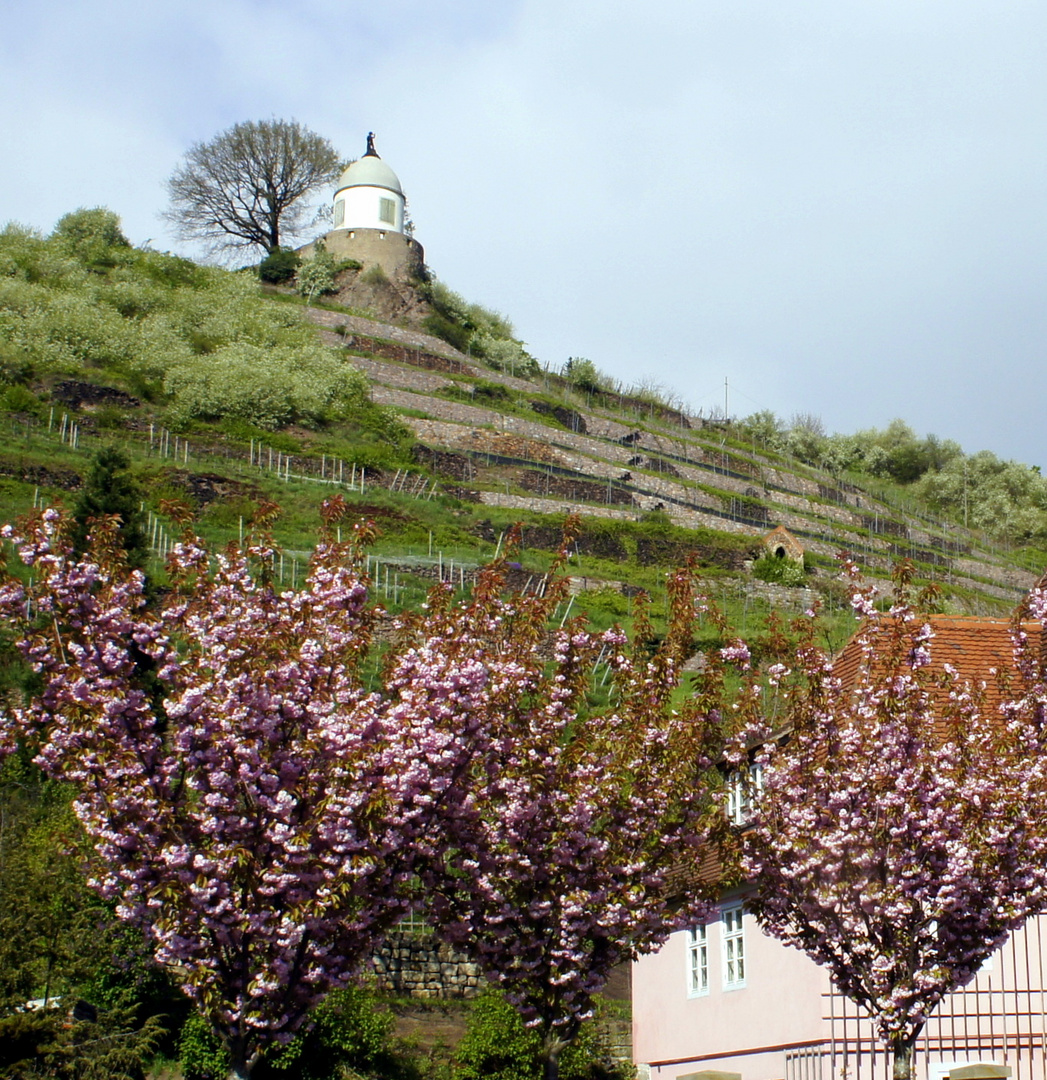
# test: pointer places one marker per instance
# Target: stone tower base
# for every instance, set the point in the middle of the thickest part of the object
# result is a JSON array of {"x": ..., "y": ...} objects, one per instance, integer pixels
[{"x": 396, "y": 254}]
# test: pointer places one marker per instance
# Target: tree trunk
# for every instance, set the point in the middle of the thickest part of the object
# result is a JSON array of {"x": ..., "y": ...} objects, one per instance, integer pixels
[
  {"x": 551, "y": 1070},
  {"x": 241, "y": 1060},
  {"x": 552, "y": 1046},
  {"x": 902, "y": 1048}
]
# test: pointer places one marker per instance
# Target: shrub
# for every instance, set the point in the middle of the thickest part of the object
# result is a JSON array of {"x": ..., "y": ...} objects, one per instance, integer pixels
[
  {"x": 350, "y": 1033},
  {"x": 110, "y": 489},
  {"x": 780, "y": 571},
  {"x": 279, "y": 266},
  {"x": 460, "y": 323},
  {"x": 265, "y": 387},
  {"x": 26, "y": 255},
  {"x": 65, "y": 330},
  {"x": 200, "y": 1053},
  {"x": 92, "y": 235},
  {"x": 19, "y": 399},
  {"x": 15, "y": 366},
  {"x": 440, "y": 326},
  {"x": 316, "y": 275},
  {"x": 374, "y": 275},
  {"x": 584, "y": 375},
  {"x": 504, "y": 354},
  {"x": 497, "y": 1046}
]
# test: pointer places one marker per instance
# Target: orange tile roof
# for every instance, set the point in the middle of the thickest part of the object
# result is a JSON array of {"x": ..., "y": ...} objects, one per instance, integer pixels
[
  {"x": 975, "y": 646},
  {"x": 980, "y": 649}
]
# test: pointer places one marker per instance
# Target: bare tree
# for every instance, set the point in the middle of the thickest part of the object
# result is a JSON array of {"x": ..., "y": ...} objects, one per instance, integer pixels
[{"x": 245, "y": 188}]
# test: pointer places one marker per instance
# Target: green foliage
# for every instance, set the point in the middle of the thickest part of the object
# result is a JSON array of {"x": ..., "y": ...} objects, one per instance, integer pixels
[
  {"x": 780, "y": 571},
  {"x": 200, "y": 1052},
  {"x": 109, "y": 489},
  {"x": 476, "y": 330},
  {"x": 349, "y": 1033},
  {"x": 279, "y": 266},
  {"x": 316, "y": 275},
  {"x": 59, "y": 941},
  {"x": 19, "y": 399},
  {"x": 608, "y": 600},
  {"x": 15, "y": 366},
  {"x": 482, "y": 390},
  {"x": 763, "y": 429},
  {"x": 440, "y": 326},
  {"x": 201, "y": 338},
  {"x": 51, "y": 1045},
  {"x": 584, "y": 375},
  {"x": 51, "y": 924},
  {"x": 25, "y": 256},
  {"x": 496, "y": 1046},
  {"x": 473, "y": 317},
  {"x": 94, "y": 236},
  {"x": 151, "y": 319},
  {"x": 267, "y": 387},
  {"x": 895, "y": 453},
  {"x": 1003, "y": 497},
  {"x": 504, "y": 354},
  {"x": 374, "y": 275}
]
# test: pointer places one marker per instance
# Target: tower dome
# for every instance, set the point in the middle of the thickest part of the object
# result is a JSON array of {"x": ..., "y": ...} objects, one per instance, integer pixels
[
  {"x": 370, "y": 226},
  {"x": 369, "y": 195},
  {"x": 369, "y": 171}
]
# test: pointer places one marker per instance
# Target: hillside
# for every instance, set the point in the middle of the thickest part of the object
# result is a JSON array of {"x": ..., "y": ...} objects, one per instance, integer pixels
[{"x": 223, "y": 394}]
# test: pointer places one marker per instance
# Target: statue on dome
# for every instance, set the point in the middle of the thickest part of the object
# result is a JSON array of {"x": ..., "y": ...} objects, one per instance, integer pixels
[{"x": 371, "y": 151}]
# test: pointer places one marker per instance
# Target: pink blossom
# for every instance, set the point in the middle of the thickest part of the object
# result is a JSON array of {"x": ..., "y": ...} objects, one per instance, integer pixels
[
  {"x": 898, "y": 838},
  {"x": 265, "y": 823}
]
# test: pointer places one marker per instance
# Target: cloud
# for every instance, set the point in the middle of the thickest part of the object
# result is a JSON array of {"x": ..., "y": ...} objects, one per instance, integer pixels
[{"x": 839, "y": 208}]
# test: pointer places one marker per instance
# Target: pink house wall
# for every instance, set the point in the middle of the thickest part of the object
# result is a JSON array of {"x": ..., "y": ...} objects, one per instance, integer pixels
[
  {"x": 781, "y": 1002},
  {"x": 787, "y": 1023}
]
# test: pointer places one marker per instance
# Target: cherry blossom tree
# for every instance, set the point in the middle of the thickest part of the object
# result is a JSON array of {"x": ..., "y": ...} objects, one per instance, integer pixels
[
  {"x": 896, "y": 838},
  {"x": 252, "y": 805},
  {"x": 563, "y": 861}
]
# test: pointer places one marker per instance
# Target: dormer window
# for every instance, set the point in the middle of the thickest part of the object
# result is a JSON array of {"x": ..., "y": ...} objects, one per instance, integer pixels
[{"x": 743, "y": 789}]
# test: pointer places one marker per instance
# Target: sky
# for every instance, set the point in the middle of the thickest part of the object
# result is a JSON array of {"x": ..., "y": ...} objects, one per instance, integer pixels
[{"x": 820, "y": 207}]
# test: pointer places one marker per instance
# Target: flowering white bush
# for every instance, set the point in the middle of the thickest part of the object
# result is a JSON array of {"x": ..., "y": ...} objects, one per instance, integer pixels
[
  {"x": 266, "y": 387},
  {"x": 503, "y": 354}
]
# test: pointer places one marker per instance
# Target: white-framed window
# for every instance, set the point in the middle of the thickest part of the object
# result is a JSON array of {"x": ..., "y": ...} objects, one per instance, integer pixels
[
  {"x": 414, "y": 923},
  {"x": 742, "y": 792},
  {"x": 387, "y": 211},
  {"x": 732, "y": 935},
  {"x": 697, "y": 961},
  {"x": 339, "y": 212}
]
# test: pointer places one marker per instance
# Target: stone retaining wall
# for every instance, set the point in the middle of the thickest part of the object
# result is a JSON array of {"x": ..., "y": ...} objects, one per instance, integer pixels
[
  {"x": 417, "y": 965},
  {"x": 608, "y": 447}
]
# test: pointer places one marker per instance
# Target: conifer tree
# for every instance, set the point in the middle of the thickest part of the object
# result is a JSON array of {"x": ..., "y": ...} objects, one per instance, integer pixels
[{"x": 110, "y": 490}]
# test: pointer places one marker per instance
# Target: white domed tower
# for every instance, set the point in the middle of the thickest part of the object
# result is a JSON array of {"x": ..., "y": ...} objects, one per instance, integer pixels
[
  {"x": 370, "y": 217},
  {"x": 369, "y": 195}
]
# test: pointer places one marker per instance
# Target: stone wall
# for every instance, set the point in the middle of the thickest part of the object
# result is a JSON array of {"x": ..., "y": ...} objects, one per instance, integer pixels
[
  {"x": 395, "y": 253},
  {"x": 418, "y": 966},
  {"x": 782, "y": 596}
]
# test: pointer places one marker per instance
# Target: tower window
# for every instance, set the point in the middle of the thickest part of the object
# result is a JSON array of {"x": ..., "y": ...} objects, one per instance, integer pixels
[
  {"x": 387, "y": 211},
  {"x": 339, "y": 212}
]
